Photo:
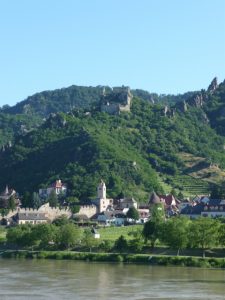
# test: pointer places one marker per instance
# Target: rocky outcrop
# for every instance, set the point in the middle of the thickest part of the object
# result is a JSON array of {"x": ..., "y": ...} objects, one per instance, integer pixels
[
  {"x": 196, "y": 101},
  {"x": 213, "y": 86},
  {"x": 168, "y": 111}
]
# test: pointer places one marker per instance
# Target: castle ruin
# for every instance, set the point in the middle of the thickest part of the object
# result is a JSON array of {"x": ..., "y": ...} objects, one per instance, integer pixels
[{"x": 117, "y": 101}]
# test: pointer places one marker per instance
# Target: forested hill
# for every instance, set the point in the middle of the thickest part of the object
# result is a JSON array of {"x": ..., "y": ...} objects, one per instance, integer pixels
[
  {"x": 65, "y": 99},
  {"x": 30, "y": 113},
  {"x": 60, "y": 100},
  {"x": 129, "y": 151}
]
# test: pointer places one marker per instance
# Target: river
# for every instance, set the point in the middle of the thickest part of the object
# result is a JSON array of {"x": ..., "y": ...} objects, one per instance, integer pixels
[{"x": 56, "y": 280}]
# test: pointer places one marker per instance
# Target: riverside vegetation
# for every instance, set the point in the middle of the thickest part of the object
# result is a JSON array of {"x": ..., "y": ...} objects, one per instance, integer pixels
[{"x": 136, "y": 244}]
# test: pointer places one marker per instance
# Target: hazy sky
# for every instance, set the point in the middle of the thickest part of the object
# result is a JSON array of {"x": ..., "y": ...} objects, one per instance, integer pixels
[{"x": 163, "y": 46}]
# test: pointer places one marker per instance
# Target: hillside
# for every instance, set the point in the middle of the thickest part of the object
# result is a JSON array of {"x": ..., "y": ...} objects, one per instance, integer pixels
[
  {"x": 30, "y": 113},
  {"x": 127, "y": 150}
]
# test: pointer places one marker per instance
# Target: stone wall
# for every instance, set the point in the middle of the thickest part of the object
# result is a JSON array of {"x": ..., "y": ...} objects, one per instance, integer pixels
[
  {"x": 88, "y": 210},
  {"x": 50, "y": 213}
]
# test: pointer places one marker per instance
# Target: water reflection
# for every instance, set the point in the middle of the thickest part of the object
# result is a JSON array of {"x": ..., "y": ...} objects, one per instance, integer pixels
[{"x": 40, "y": 279}]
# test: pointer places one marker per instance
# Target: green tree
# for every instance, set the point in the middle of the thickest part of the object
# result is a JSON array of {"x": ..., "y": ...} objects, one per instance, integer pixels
[
  {"x": 26, "y": 200},
  {"x": 20, "y": 236},
  {"x": 157, "y": 213},
  {"x": 69, "y": 236},
  {"x": 204, "y": 233},
  {"x": 152, "y": 231},
  {"x": 62, "y": 220},
  {"x": 36, "y": 201},
  {"x": 12, "y": 203},
  {"x": 121, "y": 244},
  {"x": 44, "y": 234},
  {"x": 52, "y": 199},
  {"x": 88, "y": 239},
  {"x": 175, "y": 233},
  {"x": 73, "y": 203},
  {"x": 4, "y": 211},
  {"x": 222, "y": 234},
  {"x": 133, "y": 213}
]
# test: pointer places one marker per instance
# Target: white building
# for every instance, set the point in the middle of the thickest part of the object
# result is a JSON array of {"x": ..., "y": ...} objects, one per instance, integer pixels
[
  {"x": 58, "y": 187},
  {"x": 102, "y": 201}
]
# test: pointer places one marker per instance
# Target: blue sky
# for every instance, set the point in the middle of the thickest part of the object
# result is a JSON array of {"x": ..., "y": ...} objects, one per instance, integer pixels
[{"x": 163, "y": 46}]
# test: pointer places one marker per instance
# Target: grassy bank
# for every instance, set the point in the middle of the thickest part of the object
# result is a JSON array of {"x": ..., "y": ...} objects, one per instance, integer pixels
[{"x": 122, "y": 257}]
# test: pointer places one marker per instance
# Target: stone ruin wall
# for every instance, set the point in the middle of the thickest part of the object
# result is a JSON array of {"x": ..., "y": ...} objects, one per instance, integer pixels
[
  {"x": 116, "y": 108},
  {"x": 50, "y": 213},
  {"x": 88, "y": 210}
]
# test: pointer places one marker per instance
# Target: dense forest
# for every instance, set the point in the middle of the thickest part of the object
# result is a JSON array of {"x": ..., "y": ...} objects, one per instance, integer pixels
[{"x": 135, "y": 152}]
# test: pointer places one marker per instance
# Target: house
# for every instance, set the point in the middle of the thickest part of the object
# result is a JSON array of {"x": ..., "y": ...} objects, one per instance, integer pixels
[
  {"x": 95, "y": 233},
  {"x": 30, "y": 218},
  {"x": 193, "y": 211},
  {"x": 120, "y": 218},
  {"x": 144, "y": 213},
  {"x": 214, "y": 208},
  {"x": 125, "y": 203},
  {"x": 171, "y": 204},
  {"x": 6, "y": 195},
  {"x": 58, "y": 187},
  {"x": 113, "y": 217},
  {"x": 106, "y": 217}
]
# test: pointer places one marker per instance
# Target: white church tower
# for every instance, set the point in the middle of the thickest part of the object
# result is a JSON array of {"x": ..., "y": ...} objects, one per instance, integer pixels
[
  {"x": 101, "y": 190},
  {"x": 102, "y": 202}
]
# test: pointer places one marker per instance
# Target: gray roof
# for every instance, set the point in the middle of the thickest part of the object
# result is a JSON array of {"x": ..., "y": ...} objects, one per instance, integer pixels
[
  {"x": 193, "y": 210},
  {"x": 215, "y": 202},
  {"x": 31, "y": 216},
  {"x": 128, "y": 200}
]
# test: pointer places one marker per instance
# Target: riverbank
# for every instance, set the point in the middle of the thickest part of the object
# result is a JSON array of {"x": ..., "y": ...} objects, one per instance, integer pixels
[{"x": 187, "y": 261}]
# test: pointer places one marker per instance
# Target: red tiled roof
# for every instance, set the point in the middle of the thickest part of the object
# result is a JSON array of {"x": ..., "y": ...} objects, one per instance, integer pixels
[{"x": 168, "y": 199}]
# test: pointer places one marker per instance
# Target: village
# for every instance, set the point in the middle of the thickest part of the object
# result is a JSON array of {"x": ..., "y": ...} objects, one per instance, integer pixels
[{"x": 103, "y": 211}]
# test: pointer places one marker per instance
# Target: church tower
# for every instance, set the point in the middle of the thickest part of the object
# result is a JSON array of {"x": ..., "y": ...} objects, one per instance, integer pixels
[{"x": 101, "y": 190}]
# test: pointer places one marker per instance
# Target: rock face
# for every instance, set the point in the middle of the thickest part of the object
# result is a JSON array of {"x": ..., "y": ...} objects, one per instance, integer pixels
[
  {"x": 213, "y": 86},
  {"x": 168, "y": 111},
  {"x": 117, "y": 101},
  {"x": 196, "y": 101}
]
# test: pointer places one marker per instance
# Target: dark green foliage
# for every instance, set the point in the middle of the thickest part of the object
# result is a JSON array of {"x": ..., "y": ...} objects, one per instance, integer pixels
[
  {"x": 35, "y": 201},
  {"x": 60, "y": 221},
  {"x": 88, "y": 241},
  {"x": 215, "y": 109},
  {"x": 152, "y": 232},
  {"x": 133, "y": 213},
  {"x": 204, "y": 233},
  {"x": 157, "y": 213},
  {"x": 69, "y": 236},
  {"x": 175, "y": 233},
  {"x": 11, "y": 203},
  {"x": 121, "y": 244},
  {"x": 14, "y": 125},
  {"x": 127, "y": 258},
  {"x": 63, "y": 100},
  {"x": 52, "y": 199},
  {"x": 26, "y": 200}
]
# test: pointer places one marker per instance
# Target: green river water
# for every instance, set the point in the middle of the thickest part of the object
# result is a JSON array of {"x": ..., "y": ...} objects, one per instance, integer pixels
[{"x": 54, "y": 280}]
